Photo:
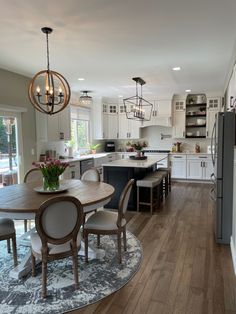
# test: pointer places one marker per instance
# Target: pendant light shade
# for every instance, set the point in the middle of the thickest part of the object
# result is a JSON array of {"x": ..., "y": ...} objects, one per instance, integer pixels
[
  {"x": 85, "y": 99},
  {"x": 136, "y": 107},
  {"x": 49, "y": 91}
]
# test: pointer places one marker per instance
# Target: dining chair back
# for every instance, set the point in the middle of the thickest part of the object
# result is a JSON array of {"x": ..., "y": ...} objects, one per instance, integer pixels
[
  {"x": 59, "y": 219},
  {"x": 58, "y": 223},
  {"x": 32, "y": 175},
  {"x": 91, "y": 175}
]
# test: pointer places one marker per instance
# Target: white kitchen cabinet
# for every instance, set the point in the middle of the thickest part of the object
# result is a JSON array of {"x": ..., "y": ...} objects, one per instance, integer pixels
[
  {"x": 179, "y": 124},
  {"x": 194, "y": 169},
  {"x": 128, "y": 129},
  {"x": 53, "y": 128},
  {"x": 179, "y": 105},
  {"x": 178, "y": 166},
  {"x": 109, "y": 121},
  {"x": 208, "y": 169},
  {"x": 213, "y": 106},
  {"x": 199, "y": 167}
]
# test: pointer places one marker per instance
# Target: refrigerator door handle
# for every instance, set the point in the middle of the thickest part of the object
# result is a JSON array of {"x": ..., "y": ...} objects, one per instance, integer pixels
[
  {"x": 213, "y": 194},
  {"x": 212, "y": 137}
]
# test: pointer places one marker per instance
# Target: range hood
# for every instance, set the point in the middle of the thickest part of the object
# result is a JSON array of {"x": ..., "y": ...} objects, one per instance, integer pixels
[{"x": 162, "y": 113}]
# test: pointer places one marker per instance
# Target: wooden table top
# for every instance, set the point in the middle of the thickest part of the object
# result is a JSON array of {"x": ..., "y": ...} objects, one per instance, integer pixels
[{"x": 21, "y": 198}]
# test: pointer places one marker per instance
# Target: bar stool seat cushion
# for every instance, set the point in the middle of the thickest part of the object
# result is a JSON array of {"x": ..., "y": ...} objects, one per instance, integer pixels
[
  {"x": 103, "y": 220},
  {"x": 148, "y": 182},
  {"x": 6, "y": 226}
]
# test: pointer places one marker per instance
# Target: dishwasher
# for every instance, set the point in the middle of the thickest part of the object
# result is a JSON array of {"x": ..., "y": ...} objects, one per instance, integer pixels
[{"x": 86, "y": 164}]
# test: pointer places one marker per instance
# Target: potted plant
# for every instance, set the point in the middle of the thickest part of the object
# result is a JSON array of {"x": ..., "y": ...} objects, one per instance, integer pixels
[
  {"x": 70, "y": 145},
  {"x": 94, "y": 147},
  {"x": 138, "y": 146}
]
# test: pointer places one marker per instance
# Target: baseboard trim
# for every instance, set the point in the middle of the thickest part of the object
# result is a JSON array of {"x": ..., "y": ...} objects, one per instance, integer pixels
[
  {"x": 191, "y": 181},
  {"x": 233, "y": 253}
]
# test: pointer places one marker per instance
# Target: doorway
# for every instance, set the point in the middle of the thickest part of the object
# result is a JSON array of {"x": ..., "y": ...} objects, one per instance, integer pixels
[{"x": 10, "y": 160}]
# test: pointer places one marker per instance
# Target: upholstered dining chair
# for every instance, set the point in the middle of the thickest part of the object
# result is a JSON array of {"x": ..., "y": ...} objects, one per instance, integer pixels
[
  {"x": 32, "y": 175},
  {"x": 90, "y": 175},
  {"x": 107, "y": 222},
  {"x": 58, "y": 222},
  {"x": 7, "y": 232}
]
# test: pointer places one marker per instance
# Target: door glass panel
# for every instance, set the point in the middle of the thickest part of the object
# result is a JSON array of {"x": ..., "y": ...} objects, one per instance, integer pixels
[{"x": 8, "y": 151}]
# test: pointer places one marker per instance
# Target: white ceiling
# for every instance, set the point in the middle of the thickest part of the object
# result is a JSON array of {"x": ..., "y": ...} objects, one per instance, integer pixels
[{"x": 110, "y": 41}]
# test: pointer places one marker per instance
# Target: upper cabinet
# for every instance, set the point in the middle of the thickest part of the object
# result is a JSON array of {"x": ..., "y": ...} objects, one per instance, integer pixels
[
  {"x": 179, "y": 118},
  {"x": 213, "y": 106},
  {"x": 195, "y": 116},
  {"x": 55, "y": 127},
  {"x": 161, "y": 113},
  {"x": 128, "y": 129}
]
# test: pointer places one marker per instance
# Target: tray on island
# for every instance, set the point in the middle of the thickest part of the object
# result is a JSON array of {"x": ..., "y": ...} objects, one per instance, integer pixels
[{"x": 138, "y": 158}]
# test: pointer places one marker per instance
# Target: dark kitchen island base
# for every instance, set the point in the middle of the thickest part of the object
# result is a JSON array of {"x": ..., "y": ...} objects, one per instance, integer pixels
[{"x": 118, "y": 177}]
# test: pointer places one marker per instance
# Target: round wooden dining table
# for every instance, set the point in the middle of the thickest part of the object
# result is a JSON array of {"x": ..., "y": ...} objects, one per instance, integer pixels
[{"x": 21, "y": 201}]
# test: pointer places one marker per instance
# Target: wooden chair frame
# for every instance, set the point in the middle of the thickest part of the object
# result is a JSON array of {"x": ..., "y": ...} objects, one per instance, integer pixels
[
  {"x": 121, "y": 229},
  {"x": 8, "y": 237},
  {"x": 25, "y": 181},
  {"x": 45, "y": 239}
]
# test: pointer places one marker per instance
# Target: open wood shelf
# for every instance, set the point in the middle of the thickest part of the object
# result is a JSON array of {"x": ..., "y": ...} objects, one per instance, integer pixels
[
  {"x": 193, "y": 136},
  {"x": 195, "y": 105},
  {"x": 195, "y": 115},
  {"x": 196, "y": 126}
]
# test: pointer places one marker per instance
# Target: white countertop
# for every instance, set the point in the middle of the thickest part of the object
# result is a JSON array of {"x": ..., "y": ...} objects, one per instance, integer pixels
[
  {"x": 129, "y": 163},
  {"x": 83, "y": 157},
  {"x": 188, "y": 153}
]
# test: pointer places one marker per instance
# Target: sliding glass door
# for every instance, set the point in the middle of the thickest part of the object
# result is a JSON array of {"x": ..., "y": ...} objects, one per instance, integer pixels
[{"x": 9, "y": 148}]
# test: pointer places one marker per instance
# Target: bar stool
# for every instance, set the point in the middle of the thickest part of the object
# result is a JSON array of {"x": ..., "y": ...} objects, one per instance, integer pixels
[
  {"x": 150, "y": 182},
  {"x": 164, "y": 178},
  {"x": 168, "y": 169},
  {"x": 7, "y": 232}
]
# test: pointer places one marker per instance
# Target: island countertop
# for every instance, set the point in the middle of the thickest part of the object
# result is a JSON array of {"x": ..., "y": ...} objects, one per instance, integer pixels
[{"x": 129, "y": 163}]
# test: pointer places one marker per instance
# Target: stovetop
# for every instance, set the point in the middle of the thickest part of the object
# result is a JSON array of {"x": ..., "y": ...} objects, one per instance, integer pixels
[{"x": 156, "y": 151}]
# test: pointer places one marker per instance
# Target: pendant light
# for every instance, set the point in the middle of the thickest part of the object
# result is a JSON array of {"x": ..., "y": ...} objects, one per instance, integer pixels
[
  {"x": 136, "y": 107},
  {"x": 49, "y": 92},
  {"x": 85, "y": 99}
]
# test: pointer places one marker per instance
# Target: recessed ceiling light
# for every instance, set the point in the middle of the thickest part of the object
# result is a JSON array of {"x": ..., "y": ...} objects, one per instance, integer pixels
[
  {"x": 187, "y": 90},
  {"x": 176, "y": 68},
  {"x": 120, "y": 96},
  {"x": 80, "y": 79}
]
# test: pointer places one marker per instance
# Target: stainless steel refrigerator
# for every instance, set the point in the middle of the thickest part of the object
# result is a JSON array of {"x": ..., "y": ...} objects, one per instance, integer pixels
[{"x": 222, "y": 150}]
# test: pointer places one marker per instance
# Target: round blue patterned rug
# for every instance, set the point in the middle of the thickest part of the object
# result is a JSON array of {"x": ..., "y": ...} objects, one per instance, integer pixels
[{"x": 97, "y": 279}]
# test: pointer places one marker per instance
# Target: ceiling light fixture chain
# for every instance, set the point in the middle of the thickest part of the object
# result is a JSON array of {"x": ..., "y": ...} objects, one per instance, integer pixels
[{"x": 49, "y": 91}]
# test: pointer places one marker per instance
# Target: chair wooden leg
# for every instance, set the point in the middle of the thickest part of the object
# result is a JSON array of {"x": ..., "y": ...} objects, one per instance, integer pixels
[
  {"x": 44, "y": 277},
  {"x": 137, "y": 198},
  {"x": 98, "y": 240},
  {"x": 33, "y": 264},
  {"x": 8, "y": 246},
  {"x": 151, "y": 200},
  {"x": 119, "y": 246},
  {"x": 84, "y": 220},
  {"x": 75, "y": 266},
  {"x": 86, "y": 246},
  {"x": 14, "y": 250},
  {"x": 25, "y": 225},
  {"x": 124, "y": 239}
]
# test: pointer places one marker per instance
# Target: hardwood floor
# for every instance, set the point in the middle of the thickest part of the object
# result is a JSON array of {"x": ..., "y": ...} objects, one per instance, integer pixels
[{"x": 183, "y": 270}]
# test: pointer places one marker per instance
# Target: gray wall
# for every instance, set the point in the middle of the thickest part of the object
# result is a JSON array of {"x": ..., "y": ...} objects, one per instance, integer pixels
[{"x": 14, "y": 92}]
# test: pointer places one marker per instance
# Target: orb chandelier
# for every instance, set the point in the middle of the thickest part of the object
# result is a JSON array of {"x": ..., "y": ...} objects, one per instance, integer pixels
[
  {"x": 136, "y": 107},
  {"x": 49, "y": 92},
  {"x": 85, "y": 99}
]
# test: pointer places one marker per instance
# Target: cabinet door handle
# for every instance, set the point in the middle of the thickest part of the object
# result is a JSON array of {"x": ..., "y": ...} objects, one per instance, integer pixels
[
  {"x": 201, "y": 164},
  {"x": 207, "y": 133},
  {"x": 117, "y": 135}
]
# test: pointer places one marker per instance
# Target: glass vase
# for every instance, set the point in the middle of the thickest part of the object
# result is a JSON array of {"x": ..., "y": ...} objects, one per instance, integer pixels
[{"x": 51, "y": 183}]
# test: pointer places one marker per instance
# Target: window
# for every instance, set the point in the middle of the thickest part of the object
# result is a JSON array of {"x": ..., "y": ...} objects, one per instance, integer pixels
[{"x": 80, "y": 128}]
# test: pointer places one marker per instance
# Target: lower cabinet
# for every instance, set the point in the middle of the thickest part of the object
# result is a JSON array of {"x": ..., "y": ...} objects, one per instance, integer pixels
[
  {"x": 191, "y": 167},
  {"x": 199, "y": 167},
  {"x": 178, "y": 166}
]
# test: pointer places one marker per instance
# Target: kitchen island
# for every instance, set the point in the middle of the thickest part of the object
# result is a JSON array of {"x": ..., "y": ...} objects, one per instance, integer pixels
[{"x": 119, "y": 172}]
